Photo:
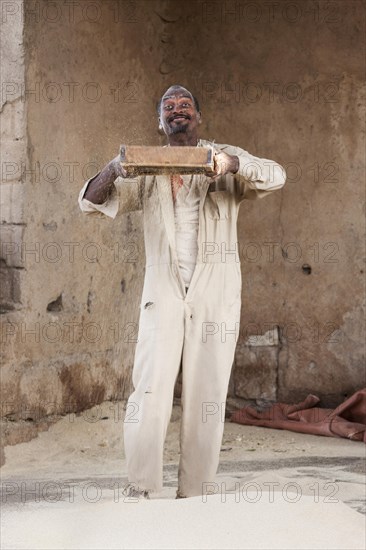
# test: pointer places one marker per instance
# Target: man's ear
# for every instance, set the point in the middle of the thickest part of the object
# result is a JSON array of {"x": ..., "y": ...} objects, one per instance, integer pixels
[
  {"x": 160, "y": 125},
  {"x": 199, "y": 117}
]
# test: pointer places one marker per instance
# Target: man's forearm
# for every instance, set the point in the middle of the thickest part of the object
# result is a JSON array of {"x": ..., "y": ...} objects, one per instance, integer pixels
[{"x": 100, "y": 187}]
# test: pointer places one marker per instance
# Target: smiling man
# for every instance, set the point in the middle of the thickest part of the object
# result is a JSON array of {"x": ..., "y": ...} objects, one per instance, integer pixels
[{"x": 190, "y": 307}]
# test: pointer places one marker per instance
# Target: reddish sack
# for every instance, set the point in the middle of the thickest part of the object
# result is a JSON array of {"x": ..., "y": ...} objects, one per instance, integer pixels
[{"x": 347, "y": 420}]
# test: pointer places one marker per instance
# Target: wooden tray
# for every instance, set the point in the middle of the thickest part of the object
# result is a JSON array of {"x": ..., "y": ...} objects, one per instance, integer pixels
[{"x": 137, "y": 160}]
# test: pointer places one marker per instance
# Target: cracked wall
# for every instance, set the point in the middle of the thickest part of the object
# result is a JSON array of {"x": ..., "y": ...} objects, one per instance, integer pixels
[
  {"x": 12, "y": 153},
  {"x": 277, "y": 85}
]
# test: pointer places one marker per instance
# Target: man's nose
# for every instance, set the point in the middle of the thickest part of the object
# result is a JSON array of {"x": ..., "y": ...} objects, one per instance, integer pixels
[{"x": 178, "y": 108}]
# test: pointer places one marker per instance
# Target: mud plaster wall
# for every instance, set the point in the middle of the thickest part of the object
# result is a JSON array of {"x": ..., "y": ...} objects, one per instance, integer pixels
[{"x": 296, "y": 79}]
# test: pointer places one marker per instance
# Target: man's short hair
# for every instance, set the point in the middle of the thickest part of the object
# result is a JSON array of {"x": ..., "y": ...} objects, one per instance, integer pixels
[{"x": 176, "y": 87}]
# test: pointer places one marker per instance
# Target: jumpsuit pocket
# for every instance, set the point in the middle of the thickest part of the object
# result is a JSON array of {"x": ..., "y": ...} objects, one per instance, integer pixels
[
  {"x": 218, "y": 205},
  {"x": 148, "y": 316}
]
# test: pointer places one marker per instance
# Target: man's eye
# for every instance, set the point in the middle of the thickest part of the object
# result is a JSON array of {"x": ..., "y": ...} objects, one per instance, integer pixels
[{"x": 168, "y": 107}]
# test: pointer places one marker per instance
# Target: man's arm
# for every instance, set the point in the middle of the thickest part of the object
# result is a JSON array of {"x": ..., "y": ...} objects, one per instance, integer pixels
[
  {"x": 111, "y": 191},
  {"x": 251, "y": 177},
  {"x": 100, "y": 187},
  {"x": 257, "y": 177}
]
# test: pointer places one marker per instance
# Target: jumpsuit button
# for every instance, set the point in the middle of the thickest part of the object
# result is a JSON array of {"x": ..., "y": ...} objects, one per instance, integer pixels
[{"x": 188, "y": 311}]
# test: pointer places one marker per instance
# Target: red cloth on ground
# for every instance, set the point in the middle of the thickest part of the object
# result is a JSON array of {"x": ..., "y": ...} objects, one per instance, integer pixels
[{"x": 347, "y": 420}]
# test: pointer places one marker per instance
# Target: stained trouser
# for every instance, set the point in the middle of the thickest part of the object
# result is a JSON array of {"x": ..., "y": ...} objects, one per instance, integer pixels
[{"x": 206, "y": 372}]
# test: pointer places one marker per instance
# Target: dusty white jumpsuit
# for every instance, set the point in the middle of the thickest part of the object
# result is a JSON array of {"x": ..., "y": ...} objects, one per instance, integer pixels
[{"x": 199, "y": 327}]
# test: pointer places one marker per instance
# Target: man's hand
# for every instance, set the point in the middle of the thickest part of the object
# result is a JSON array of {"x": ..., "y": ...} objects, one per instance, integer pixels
[
  {"x": 225, "y": 164},
  {"x": 117, "y": 167}
]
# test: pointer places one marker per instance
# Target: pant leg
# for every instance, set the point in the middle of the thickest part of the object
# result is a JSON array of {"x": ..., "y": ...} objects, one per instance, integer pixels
[
  {"x": 157, "y": 361},
  {"x": 206, "y": 373}
]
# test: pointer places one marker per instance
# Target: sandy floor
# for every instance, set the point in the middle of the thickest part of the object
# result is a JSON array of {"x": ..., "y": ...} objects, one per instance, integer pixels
[{"x": 275, "y": 489}]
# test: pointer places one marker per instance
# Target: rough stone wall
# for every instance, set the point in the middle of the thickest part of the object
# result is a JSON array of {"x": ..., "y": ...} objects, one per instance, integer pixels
[
  {"x": 283, "y": 80},
  {"x": 13, "y": 152},
  {"x": 12, "y": 155}
]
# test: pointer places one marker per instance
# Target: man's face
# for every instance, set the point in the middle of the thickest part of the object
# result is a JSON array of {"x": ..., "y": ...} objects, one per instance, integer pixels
[{"x": 177, "y": 112}]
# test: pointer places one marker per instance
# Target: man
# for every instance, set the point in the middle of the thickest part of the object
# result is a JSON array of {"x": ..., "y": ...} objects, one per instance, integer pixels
[{"x": 190, "y": 308}]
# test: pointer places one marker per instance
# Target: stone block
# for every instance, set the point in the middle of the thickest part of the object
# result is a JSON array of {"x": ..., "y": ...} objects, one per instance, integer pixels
[
  {"x": 12, "y": 50},
  {"x": 13, "y": 155},
  {"x": 269, "y": 338},
  {"x": 13, "y": 120},
  {"x": 11, "y": 245},
  {"x": 11, "y": 203},
  {"x": 9, "y": 288},
  {"x": 255, "y": 372}
]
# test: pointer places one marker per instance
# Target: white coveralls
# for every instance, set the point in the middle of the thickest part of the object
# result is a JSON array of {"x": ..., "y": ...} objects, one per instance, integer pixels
[{"x": 199, "y": 327}]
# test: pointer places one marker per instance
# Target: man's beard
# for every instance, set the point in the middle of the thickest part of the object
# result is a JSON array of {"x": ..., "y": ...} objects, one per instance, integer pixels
[{"x": 178, "y": 129}]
